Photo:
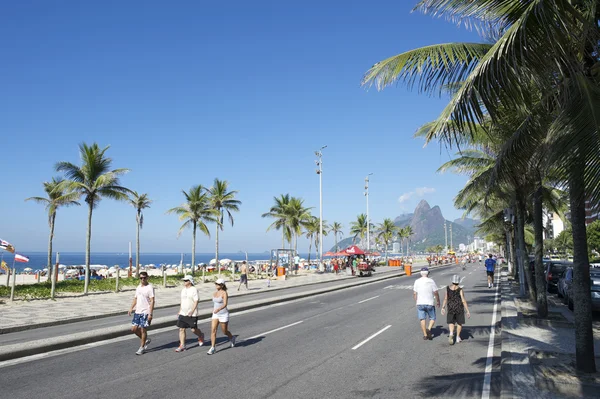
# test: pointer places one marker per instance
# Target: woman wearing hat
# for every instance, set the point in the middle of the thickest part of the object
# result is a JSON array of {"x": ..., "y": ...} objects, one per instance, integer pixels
[
  {"x": 457, "y": 305},
  {"x": 188, "y": 313},
  {"x": 220, "y": 315}
]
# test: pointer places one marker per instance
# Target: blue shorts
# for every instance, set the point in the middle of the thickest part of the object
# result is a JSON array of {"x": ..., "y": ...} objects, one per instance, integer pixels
[
  {"x": 426, "y": 310},
  {"x": 140, "y": 320}
]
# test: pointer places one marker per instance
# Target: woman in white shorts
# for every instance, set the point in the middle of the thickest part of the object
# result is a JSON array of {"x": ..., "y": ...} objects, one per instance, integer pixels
[{"x": 220, "y": 315}]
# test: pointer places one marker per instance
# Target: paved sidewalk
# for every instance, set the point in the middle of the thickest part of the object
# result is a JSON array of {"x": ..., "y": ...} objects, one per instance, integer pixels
[
  {"x": 538, "y": 355},
  {"x": 20, "y": 315}
]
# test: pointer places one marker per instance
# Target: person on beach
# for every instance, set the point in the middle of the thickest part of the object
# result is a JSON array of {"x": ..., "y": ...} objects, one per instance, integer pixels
[
  {"x": 244, "y": 275},
  {"x": 143, "y": 307},
  {"x": 490, "y": 266},
  {"x": 188, "y": 313},
  {"x": 354, "y": 265},
  {"x": 457, "y": 305},
  {"x": 424, "y": 292},
  {"x": 220, "y": 315}
]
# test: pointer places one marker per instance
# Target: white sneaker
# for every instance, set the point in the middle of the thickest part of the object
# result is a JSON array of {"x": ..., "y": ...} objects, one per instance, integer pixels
[
  {"x": 458, "y": 340},
  {"x": 211, "y": 351},
  {"x": 140, "y": 351},
  {"x": 147, "y": 343},
  {"x": 232, "y": 341}
]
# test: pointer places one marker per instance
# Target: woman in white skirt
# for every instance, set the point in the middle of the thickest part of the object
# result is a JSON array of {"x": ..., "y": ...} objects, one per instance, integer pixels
[{"x": 220, "y": 315}]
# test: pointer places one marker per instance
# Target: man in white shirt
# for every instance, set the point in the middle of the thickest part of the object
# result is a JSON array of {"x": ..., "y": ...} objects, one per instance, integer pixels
[
  {"x": 424, "y": 293},
  {"x": 188, "y": 313},
  {"x": 142, "y": 306}
]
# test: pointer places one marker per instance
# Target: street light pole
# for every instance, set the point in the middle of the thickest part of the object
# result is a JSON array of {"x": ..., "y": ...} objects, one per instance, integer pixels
[
  {"x": 319, "y": 154},
  {"x": 446, "y": 236},
  {"x": 451, "y": 245},
  {"x": 368, "y": 220}
]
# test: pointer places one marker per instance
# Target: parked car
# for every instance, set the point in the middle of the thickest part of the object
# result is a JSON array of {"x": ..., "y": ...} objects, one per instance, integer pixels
[
  {"x": 553, "y": 272},
  {"x": 566, "y": 282}
]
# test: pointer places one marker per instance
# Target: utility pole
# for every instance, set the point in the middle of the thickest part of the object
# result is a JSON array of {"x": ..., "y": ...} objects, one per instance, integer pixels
[
  {"x": 451, "y": 245},
  {"x": 319, "y": 162},
  {"x": 368, "y": 220}
]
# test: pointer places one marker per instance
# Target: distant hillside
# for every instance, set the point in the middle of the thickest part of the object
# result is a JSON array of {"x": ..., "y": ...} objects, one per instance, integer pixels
[{"x": 428, "y": 226}]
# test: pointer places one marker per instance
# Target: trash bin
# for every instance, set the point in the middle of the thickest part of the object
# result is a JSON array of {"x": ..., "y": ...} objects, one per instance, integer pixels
[
  {"x": 280, "y": 271},
  {"x": 408, "y": 269}
]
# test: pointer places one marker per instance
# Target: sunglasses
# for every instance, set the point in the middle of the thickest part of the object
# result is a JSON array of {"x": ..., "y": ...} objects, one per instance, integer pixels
[{"x": 143, "y": 278}]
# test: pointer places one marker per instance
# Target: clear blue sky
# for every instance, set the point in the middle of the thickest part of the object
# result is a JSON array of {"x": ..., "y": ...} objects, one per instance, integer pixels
[{"x": 190, "y": 91}]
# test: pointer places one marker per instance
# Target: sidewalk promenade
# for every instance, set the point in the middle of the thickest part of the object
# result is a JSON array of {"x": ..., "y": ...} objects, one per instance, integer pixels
[{"x": 538, "y": 355}]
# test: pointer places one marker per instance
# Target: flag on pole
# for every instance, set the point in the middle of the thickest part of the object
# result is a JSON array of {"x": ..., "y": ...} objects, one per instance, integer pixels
[
  {"x": 4, "y": 266},
  {"x": 21, "y": 258},
  {"x": 7, "y": 246}
]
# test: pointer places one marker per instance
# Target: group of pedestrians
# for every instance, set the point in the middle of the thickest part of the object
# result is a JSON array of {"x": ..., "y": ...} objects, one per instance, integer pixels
[
  {"x": 143, "y": 304},
  {"x": 427, "y": 298}
]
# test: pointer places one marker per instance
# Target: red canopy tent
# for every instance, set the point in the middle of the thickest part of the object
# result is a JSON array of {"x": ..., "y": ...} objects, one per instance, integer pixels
[
  {"x": 353, "y": 250},
  {"x": 329, "y": 253}
]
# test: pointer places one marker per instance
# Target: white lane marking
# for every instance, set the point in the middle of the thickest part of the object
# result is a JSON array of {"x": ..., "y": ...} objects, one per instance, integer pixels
[
  {"x": 487, "y": 379},
  {"x": 371, "y": 337},
  {"x": 272, "y": 331},
  {"x": 368, "y": 299}
]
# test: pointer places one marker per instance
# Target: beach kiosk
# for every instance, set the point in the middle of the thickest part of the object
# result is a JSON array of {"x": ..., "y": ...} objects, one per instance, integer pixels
[{"x": 281, "y": 262}]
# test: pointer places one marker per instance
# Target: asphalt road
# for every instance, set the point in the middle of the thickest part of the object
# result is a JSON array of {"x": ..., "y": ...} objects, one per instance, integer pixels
[{"x": 360, "y": 342}]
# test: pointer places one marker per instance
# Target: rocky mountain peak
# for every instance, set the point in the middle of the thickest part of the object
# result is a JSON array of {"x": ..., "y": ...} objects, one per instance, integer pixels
[{"x": 422, "y": 207}]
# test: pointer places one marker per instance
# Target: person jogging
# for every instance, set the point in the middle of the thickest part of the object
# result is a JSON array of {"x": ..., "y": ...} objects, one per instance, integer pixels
[
  {"x": 243, "y": 275},
  {"x": 220, "y": 315},
  {"x": 490, "y": 266},
  {"x": 457, "y": 305},
  {"x": 142, "y": 308},
  {"x": 424, "y": 292},
  {"x": 188, "y": 313}
]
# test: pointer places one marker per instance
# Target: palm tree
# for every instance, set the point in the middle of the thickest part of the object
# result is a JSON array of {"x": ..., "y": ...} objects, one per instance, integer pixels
[
  {"x": 336, "y": 229},
  {"x": 222, "y": 201},
  {"x": 277, "y": 212},
  {"x": 139, "y": 202},
  {"x": 317, "y": 237},
  {"x": 297, "y": 216},
  {"x": 311, "y": 230},
  {"x": 93, "y": 180},
  {"x": 408, "y": 232},
  {"x": 560, "y": 60},
  {"x": 385, "y": 233},
  {"x": 195, "y": 212},
  {"x": 56, "y": 198},
  {"x": 358, "y": 228}
]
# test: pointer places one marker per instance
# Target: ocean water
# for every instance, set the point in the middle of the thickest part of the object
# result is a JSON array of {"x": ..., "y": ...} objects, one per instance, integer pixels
[{"x": 37, "y": 260}]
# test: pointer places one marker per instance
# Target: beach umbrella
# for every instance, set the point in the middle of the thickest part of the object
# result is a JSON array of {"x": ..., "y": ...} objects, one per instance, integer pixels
[
  {"x": 328, "y": 253},
  {"x": 45, "y": 269},
  {"x": 27, "y": 269},
  {"x": 212, "y": 262},
  {"x": 225, "y": 261}
]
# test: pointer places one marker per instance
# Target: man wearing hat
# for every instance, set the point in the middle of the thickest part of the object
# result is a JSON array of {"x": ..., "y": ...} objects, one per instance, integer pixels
[
  {"x": 424, "y": 292},
  {"x": 188, "y": 313},
  {"x": 457, "y": 305}
]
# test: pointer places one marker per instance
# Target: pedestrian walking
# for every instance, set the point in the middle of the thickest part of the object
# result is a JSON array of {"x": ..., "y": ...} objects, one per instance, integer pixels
[
  {"x": 243, "y": 275},
  {"x": 188, "y": 313},
  {"x": 425, "y": 292},
  {"x": 490, "y": 267},
  {"x": 457, "y": 306},
  {"x": 220, "y": 315},
  {"x": 142, "y": 308}
]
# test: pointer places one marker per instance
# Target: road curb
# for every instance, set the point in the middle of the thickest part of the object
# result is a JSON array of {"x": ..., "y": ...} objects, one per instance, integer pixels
[
  {"x": 14, "y": 351},
  {"x": 8, "y": 330}
]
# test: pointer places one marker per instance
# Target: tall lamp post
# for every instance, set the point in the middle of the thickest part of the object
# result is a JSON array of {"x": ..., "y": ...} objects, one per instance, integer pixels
[
  {"x": 319, "y": 162},
  {"x": 446, "y": 236},
  {"x": 451, "y": 245},
  {"x": 368, "y": 220}
]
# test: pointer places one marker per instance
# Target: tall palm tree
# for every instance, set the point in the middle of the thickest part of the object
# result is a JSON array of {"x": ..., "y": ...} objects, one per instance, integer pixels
[
  {"x": 408, "y": 232},
  {"x": 385, "y": 233},
  {"x": 336, "y": 229},
  {"x": 311, "y": 229},
  {"x": 297, "y": 216},
  {"x": 277, "y": 212},
  {"x": 358, "y": 228},
  {"x": 139, "y": 202},
  {"x": 222, "y": 201},
  {"x": 317, "y": 237},
  {"x": 195, "y": 212},
  {"x": 93, "y": 180},
  {"x": 56, "y": 198}
]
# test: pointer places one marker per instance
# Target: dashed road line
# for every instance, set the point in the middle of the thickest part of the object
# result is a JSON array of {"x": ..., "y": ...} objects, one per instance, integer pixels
[
  {"x": 371, "y": 337},
  {"x": 368, "y": 299}
]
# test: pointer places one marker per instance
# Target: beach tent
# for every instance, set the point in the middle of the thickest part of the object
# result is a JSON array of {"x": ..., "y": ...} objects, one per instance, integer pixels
[
  {"x": 353, "y": 250},
  {"x": 328, "y": 253}
]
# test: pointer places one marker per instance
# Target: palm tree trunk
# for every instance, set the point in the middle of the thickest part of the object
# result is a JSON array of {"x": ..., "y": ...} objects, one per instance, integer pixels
[
  {"x": 50, "y": 238},
  {"x": 137, "y": 248},
  {"x": 523, "y": 250},
  {"x": 282, "y": 238},
  {"x": 538, "y": 225},
  {"x": 88, "y": 242},
  {"x": 584, "y": 338},
  {"x": 336, "y": 242},
  {"x": 193, "y": 246},
  {"x": 217, "y": 250},
  {"x": 309, "y": 248}
]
